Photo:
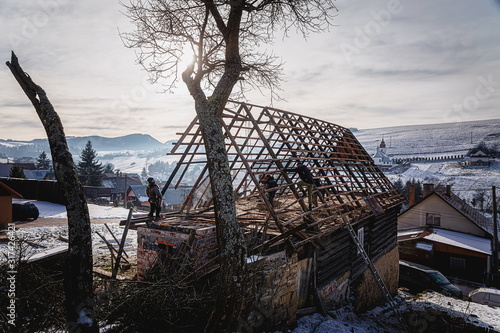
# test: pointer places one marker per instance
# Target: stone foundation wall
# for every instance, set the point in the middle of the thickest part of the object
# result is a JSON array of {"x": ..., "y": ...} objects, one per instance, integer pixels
[
  {"x": 150, "y": 242},
  {"x": 273, "y": 281},
  {"x": 336, "y": 293},
  {"x": 367, "y": 291}
]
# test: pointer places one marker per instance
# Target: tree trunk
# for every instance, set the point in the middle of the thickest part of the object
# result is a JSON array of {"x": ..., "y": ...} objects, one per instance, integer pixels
[
  {"x": 78, "y": 276},
  {"x": 230, "y": 240},
  {"x": 231, "y": 244}
]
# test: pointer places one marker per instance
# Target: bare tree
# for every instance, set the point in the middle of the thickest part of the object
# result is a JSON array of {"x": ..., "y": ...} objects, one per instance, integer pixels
[
  {"x": 225, "y": 38},
  {"x": 78, "y": 277}
]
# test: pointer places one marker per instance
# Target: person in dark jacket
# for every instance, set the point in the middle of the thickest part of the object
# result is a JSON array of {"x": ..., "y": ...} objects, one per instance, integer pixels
[
  {"x": 154, "y": 198},
  {"x": 306, "y": 179},
  {"x": 270, "y": 184}
]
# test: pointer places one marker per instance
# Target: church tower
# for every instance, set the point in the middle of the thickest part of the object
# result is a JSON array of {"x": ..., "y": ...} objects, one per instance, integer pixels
[{"x": 382, "y": 146}]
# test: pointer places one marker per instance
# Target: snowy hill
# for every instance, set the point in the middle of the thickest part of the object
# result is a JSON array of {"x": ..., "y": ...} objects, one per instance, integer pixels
[
  {"x": 431, "y": 140},
  {"x": 439, "y": 140},
  {"x": 132, "y": 153},
  {"x": 132, "y": 142}
]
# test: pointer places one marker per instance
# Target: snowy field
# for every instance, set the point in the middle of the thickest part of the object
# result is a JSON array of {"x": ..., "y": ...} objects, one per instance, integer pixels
[
  {"x": 39, "y": 239},
  {"x": 431, "y": 140},
  {"x": 465, "y": 182},
  {"x": 55, "y": 211},
  {"x": 439, "y": 140}
]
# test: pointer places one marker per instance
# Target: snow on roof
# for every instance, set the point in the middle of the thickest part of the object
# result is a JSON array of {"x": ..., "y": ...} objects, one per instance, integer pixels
[
  {"x": 461, "y": 240},
  {"x": 36, "y": 174},
  {"x": 382, "y": 155},
  {"x": 140, "y": 192}
]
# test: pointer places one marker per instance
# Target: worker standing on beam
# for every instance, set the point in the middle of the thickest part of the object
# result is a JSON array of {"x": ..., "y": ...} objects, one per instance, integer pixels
[
  {"x": 306, "y": 179},
  {"x": 155, "y": 197}
]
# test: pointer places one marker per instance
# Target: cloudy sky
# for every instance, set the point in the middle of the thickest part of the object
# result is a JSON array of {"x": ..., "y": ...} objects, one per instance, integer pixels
[{"x": 385, "y": 63}]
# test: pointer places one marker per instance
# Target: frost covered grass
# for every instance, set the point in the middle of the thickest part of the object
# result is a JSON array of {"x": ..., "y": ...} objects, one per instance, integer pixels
[{"x": 38, "y": 239}]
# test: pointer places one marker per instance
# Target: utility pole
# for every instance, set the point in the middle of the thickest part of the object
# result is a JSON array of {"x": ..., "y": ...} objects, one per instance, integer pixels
[
  {"x": 125, "y": 193},
  {"x": 495, "y": 238}
]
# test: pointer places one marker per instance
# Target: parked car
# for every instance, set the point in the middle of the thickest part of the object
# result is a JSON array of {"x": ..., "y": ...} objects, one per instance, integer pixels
[
  {"x": 23, "y": 211},
  {"x": 102, "y": 201},
  {"x": 488, "y": 296},
  {"x": 418, "y": 278}
]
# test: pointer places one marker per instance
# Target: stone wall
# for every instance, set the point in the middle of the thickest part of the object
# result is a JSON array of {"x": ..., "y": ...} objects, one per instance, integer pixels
[
  {"x": 273, "y": 280},
  {"x": 154, "y": 243},
  {"x": 273, "y": 283},
  {"x": 336, "y": 293},
  {"x": 367, "y": 291}
]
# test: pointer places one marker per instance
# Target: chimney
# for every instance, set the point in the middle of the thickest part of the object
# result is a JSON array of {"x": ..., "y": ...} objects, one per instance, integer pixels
[
  {"x": 428, "y": 189},
  {"x": 411, "y": 195},
  {"x": 448, "y": 190}
]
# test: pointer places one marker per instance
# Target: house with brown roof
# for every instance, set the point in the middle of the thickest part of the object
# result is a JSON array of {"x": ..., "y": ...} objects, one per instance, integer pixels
[{"x": 444, "y": 232}]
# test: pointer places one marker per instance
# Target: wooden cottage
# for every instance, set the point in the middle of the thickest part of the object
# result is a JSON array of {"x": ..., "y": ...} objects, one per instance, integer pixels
[
  {"x": 173, "y": 199},
  {"x": 305, "y": 257},
  {"x": 444, "y": 232},
  {"x": 6, "y": 195}
]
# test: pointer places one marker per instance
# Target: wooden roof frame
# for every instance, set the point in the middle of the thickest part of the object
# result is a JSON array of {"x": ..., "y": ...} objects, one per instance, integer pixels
[{"x": 263, "y": 140}]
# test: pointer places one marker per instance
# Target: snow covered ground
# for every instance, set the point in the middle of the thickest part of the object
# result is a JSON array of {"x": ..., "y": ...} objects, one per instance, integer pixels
[
  {"x": 465, "y": 182},
  {"x": 423, "y": 310},
  {"x": 38, "y": 239},
  {"x": 55, "y": 211}
]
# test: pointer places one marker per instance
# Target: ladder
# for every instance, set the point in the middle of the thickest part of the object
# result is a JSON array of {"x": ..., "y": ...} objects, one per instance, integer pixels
[{"x": 376, "y": 275}]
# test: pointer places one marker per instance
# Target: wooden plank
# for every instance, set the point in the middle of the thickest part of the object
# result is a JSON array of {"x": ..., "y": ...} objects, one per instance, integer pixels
[{"x": 122, "y": 244}]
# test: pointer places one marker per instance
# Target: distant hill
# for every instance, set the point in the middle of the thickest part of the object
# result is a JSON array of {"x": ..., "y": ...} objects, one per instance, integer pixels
[
  {"x": 401, "y": 141},
  {"x": 435, "y": 139},
  {"x": 134, "y": 142}
]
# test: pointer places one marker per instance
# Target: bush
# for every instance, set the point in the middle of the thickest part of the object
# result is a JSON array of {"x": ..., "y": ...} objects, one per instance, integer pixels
[{"x": 168, "y": 305}]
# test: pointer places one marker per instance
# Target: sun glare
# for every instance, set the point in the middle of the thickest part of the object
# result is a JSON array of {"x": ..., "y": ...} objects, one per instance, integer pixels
[{"x": 186, "y": 59}]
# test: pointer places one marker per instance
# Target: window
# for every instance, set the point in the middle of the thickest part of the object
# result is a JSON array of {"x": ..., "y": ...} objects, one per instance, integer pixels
[
  {"x": 495, "y": 299},
  {"x": 457, "y": 263},
  {"x": 433, "y": 219},
  {"x": 361, "y": 238}
]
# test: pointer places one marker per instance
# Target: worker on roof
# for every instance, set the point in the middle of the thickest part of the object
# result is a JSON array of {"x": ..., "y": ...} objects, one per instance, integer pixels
[
  {"x": 154, "y": 198},
  {"x": 306, "y": 179},
  {"x": 270, "y": 185}
]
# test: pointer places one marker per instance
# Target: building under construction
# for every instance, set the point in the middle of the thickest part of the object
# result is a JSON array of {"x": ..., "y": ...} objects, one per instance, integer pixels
[{"x": 309, "y": 254}]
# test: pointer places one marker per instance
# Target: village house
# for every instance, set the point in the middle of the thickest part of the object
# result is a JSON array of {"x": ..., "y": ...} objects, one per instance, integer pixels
[
  {"x": 119, "y": 183},
  {"x": 479, "y": 159},
  {"x": 298, "y": 256},
  {"x": 40, "y": 174},
  {"x": 444, "y": 232},
  {"x": 172, "y": 199},
  {"x": 5, "y": 167}
]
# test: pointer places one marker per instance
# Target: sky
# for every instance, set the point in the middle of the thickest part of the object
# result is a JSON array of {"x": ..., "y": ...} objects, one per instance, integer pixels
[{"x": 384, "y": 63}]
